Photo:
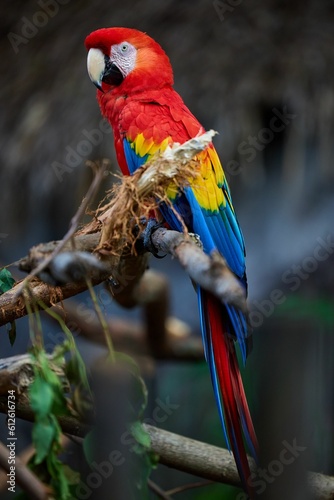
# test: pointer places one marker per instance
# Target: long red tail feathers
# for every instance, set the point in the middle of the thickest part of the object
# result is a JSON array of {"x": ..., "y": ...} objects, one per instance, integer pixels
[{"x": 228, "y": 386}]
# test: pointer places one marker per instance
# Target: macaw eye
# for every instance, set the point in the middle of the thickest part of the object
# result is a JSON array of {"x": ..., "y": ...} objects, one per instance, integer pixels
[{"x": 124, "y": 47}]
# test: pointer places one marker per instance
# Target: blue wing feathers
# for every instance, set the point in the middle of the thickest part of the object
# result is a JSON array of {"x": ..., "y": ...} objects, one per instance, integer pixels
[
  {"x": 216, "y": 234},
  {"x": 133, "y": 160},
  {"x": 218, "y": 231},
  {"x": 181, "y": 205},
  {"x": 239, "y": 328},
  {"x": 199, "y": 225}
]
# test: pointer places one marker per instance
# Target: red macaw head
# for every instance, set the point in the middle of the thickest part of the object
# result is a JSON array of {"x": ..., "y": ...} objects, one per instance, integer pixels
[{"x": 126, "y": 59}]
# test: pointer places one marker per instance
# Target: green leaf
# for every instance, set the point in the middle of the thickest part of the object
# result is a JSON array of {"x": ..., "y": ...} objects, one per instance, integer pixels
[
  {"x": 6, "y": 281},
  {"x": 41, "y": 397},
  {"x": 59, "y": 406},
  {"x": 11, "y": 332},
  {"x": 53, "y": 464},
  {"x": 147, "y": 458},
  {"x": 141, "y": 395},
  {"x": 141, "y": 436},
  {"x": 88, "y": 446},
  {"x": 48, "y": 400},
  {"x": 130, "y": 363},
  {"x": 59, "y": 351},
  {"x": 72, "y": 476},
  {"x": 43, "y": 434},
  {"x": 59, "y": 480},
  {"x": 76, "y": 370}
]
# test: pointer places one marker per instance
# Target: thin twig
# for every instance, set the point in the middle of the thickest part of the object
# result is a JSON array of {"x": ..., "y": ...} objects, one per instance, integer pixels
[
  {"x": 189, "y": 486},
  {"x": 24, "y": 477},
  {"x": 102, "y": 320},
  {"x": 210, "y": 272},
  {"x": 157, "y": 490},
  {"x": 35, "y": 325},
  {"x": 24, "y": 456},
  {"x": 99, "y": 174}
]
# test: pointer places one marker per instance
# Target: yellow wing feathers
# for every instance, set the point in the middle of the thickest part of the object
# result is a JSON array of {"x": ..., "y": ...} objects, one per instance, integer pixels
[
  {"x": 207, "y": 187},
  {"x": 144, "y": 146}
]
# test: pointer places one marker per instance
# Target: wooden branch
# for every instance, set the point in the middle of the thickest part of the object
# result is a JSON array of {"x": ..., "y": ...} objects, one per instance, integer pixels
[
  {"x": 162, "y": 337},
  {"x": 69, "y": 424},
  {"x": 322, "y": 486},
  {"x": 127, "y": 270},
  {"x": 160, "y": 493},
  {"x": 188, "y": 486},
  {"x": 153, "y": 296},
  {"x": 184, "y": 454},
  {"x": 24, "y": 456},
  {"x": 210, "y": 272},
  {"x": 194, "y": 457},
  {"x": 28, "y": 481},
  {"x": 188, "y": 455},
  {"x": 16, "y": 372},
  {"x": 216, "y": 464}
]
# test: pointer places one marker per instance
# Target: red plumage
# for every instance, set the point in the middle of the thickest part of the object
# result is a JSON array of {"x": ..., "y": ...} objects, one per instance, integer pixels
[
  {"x": 233, "y": 395},
  {"x": 157, "y": 114},
  {"x": 144, "y": 110}
]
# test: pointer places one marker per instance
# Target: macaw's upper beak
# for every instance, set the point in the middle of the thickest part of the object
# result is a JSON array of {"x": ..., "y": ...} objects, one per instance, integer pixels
[
  {"x": 96, "y": 66},
  {"x": 101, "y": 69}
]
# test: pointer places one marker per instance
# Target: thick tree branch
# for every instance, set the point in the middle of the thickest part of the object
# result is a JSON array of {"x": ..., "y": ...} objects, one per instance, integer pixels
[
  {"x": 182, "y": 453},
  {"x": 162, "y": 337},
  {"x": 126, "y": 269},
  {"x": 210, "y": 272},
  {"x": 194, "y": 457},
  {"x": 24, "y": 477}
]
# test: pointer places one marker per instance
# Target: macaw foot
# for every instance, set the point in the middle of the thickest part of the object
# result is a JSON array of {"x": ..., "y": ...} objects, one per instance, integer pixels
[{"x": 144, "y": 242}]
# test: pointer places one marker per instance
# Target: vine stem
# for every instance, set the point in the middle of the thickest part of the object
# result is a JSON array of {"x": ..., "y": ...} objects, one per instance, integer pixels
[
  {"x": 35, "y": 325},
  {"x": 102, "y": 320}
]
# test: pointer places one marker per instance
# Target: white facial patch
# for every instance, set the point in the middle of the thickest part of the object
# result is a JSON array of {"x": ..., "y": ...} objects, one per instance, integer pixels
[{"x": 124, "y": 55}]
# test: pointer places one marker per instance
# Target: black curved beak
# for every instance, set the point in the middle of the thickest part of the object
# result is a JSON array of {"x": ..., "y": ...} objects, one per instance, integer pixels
[{"x": 111, "y": 74}]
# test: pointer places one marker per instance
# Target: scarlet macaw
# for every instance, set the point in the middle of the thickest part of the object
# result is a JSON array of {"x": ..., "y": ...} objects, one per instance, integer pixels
[{"x": 134, "y": 78}]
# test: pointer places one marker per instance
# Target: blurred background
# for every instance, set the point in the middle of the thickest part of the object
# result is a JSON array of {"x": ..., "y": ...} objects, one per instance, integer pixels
[{"x": 261, "y": 74}]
